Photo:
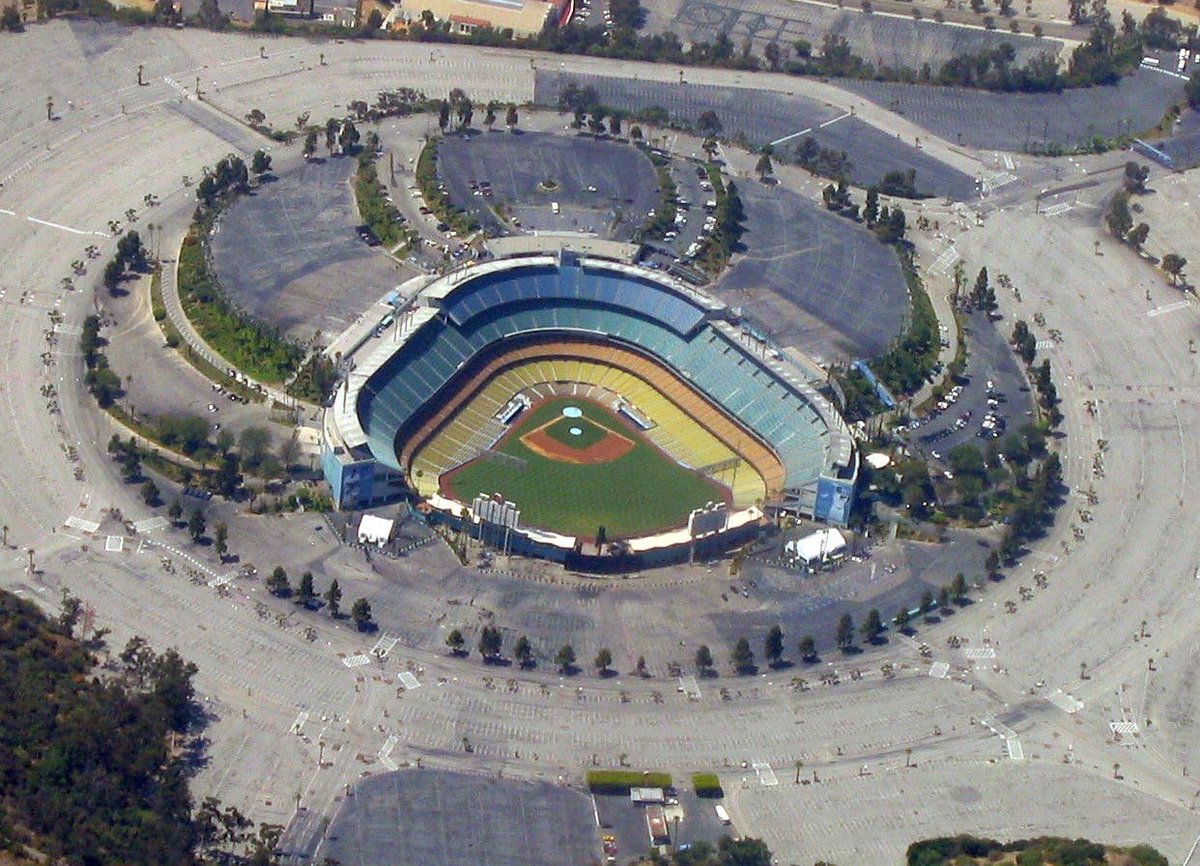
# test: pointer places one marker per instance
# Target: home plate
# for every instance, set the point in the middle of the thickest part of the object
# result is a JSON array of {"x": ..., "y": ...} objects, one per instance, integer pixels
[
  {"x": 939, "y": 670},
  {"x": 409, "y": 680},
  {"x": 114, "y": 544}
]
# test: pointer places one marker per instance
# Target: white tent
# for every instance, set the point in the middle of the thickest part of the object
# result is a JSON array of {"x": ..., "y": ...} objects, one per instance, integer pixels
[
  {"x": 819, "y": 547},
  {"x": 374, "y": 530}
]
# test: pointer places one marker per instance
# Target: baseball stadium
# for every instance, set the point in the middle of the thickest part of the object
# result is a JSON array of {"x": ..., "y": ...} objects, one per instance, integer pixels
[{"x": 583, "y": 409}]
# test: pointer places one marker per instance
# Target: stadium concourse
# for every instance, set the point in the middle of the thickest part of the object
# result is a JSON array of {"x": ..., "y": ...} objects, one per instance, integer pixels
[{"x": 472, "y": 352}]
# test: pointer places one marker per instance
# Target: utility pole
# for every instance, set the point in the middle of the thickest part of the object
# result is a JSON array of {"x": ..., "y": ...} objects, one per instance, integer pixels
[
  {"x": 49, "y": 108},
  {"x": 141, "y": 67}
]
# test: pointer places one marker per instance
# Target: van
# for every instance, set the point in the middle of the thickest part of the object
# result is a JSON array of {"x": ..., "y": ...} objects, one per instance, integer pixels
[
  {"x": 722, "y": 815},
  {"x": 554, "y": 208}
]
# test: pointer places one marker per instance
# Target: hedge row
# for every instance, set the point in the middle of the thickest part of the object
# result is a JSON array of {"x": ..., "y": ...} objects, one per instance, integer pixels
[{"x": 620, "y": 781}]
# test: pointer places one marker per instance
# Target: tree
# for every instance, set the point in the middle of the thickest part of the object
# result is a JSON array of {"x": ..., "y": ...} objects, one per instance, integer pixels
[
  {"x": 490, "y": 643},
  {"x": 1173, "y": 264},
  {"x": 958, "y": 588},
  {"x": 175, "y": 511},
  {"x": 331, "y": 130},
  {"x": 903, "y": 618},
  {"x": 704, "y": 659},
  {"x": 360, "y": 612},
  {"x": 1117, "y": 216},
  {"x": 306, "y": 593},
  {"x": 261, "y": 163},
  {"x": 10, "y": 20},
  {"x": 277, "y": 582},
  {"x": 775, "y": 54},
  {"x": 873, "y": 627},
  {"x": 348, "y": 137},
  {"x": 565, "y": 658},
  {"x": 708, "y": 124},
  {"x": 614, "y": 125},
  {"x": 489, "y": 117},
  {"x": 150, "y": 494},
  {"x": 1137, "y": 235},
  {"x": 764, "y": 167},
  {"x": 871, "y": 207},
  {"x": 113, "y": 272},
  {"x": 1136, "y": 176},
  {"x": 221, "y": 540},
  {"x": 310, "y": 143},
  {"x": 743, "y": 656},
  {"x": 773, "y": 648},
  {"x": 844, "y": 636},
  {"x": 523, "y": 652},
  {"x": 510, "y": 118},
  {"x": 1192, "y": 88},
  {"x": 255, "y": 117},
  {"x": 333, "y": 598},
  {"x": 456, "y": 642},
  {"x": 807, "y": 648},
  {"x": 603, "y": 660},
  {"x": 196, "y": 525}
]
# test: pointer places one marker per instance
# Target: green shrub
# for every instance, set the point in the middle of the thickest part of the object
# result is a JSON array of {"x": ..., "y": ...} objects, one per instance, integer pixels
[
  {"x": 620, "y": 781},
  {"x": 707, "y": 785}
]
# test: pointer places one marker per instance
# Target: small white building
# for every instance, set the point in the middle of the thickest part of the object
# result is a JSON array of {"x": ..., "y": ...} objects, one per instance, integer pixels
[
  {"x": 375, "y": 530},
  {"x": 824, "y": 545}
]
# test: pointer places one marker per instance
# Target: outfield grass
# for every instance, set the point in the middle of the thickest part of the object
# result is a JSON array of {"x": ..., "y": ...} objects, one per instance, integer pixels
[{"x": 639, "y": 493}]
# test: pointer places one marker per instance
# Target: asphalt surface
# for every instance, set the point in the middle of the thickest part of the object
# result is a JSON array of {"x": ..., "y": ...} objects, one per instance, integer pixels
[
  {"x": 812, "y": 279},
  {"x": 1183, "y": 146},
  {"x": 1028, "y": 121},
  {"x": 437, "y": 818},
  {"x": 602, "y": 186},
  {"x": 880, "y": 39},
  {"x": 282, "y": 687},
  {"x": 288, "y": 254},
  {"x": 625, "y": 821},
  {"x": 764, "y": 118},
  {"x": 989, "y": 359}
]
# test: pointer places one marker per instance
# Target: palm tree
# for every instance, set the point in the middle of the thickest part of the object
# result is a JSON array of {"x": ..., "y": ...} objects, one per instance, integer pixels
[{"x": 523, "y": 652}]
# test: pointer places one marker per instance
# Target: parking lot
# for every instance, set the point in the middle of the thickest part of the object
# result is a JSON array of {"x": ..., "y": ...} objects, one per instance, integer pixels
[
  {"x": 1020, "y": 121},
  {"x": 439, "y": 818},
  {"x": 625, "y": 822},
  {"x": 289, "y": 255},
  {"x": 812, "y": 279},
  {"x": 547, "y": 181},
  {"x": 993, "y": 399}
]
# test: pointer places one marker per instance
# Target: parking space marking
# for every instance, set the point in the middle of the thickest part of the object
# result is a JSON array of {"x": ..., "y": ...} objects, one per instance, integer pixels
[
  {"x": 222, "y": 580},
  {"x": 1168, "y": 308},
  {"x": 765, "y": 774},
  {"x": 945, "y": 261},
  {"x": 1057, "y": 209},
  {"x": 980, "y": 653},
  {"x": 690, "y": 687},
  {"x": 298, "y": 725},
  {"x": 355, "y": 661},
  {"x": 82, "y": 525},
  {"x": 939, "y": 670},
  {"x": 385, "y": 751},
  {"x": 409, "y": 680},
  {"x": 114, "y": 544},
  {"x": 1064, "y": 701},
  {"x": 1014, "y": 749},
  {"x": 1123, "y": 727},
  {"x": 383, "y": 646},
  {"x": 150, "y": 524}
]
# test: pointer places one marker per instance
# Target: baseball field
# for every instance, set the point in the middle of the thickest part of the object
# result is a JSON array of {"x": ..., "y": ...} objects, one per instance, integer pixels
[{"x": 572, "y": 466}]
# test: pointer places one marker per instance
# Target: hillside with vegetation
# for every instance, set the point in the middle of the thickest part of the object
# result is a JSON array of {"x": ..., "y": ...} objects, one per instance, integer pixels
[
  {"x": 1043, "y": 851},
  {"x": 95, "y": 759}
]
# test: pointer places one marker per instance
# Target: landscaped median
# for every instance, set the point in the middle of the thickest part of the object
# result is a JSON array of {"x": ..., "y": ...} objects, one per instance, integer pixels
[{"x": 621, "y": 781}]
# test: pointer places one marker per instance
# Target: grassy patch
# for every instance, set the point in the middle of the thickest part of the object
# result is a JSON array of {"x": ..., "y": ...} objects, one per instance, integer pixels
[
  {"x": 175, "y": 340},
  {"x": 640, "y": 492},
  {"x": 620, "y": 781},
  {"x": 252, "y": 347},
  {"x": 375, "y": 210},
  {"x": 707, "y": 785},
  {"x": 904, "y": 367},
  {"x": 436, "y": 199}
]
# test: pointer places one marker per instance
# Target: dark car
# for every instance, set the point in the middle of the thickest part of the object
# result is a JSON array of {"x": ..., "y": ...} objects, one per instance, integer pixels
[{"x": 367, "y": 236}]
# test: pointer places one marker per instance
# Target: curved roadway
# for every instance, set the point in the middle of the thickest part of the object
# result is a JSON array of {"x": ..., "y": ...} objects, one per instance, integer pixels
[{"x": 113, "y": 142}]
